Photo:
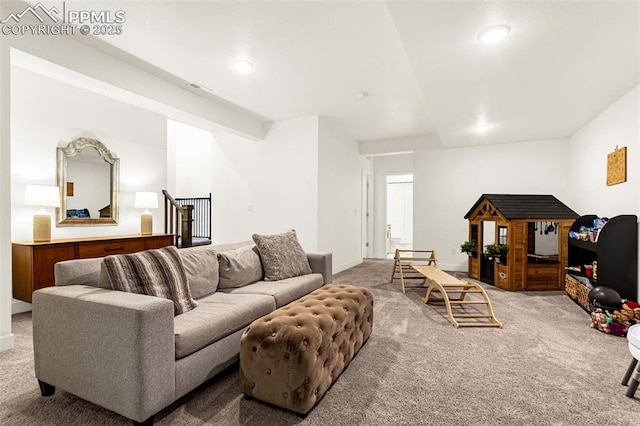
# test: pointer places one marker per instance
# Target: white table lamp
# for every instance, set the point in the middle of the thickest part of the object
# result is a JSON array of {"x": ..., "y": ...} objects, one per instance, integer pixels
[
  {"x": 42, "y": 196},
  {"x": 146, "y": 201}
]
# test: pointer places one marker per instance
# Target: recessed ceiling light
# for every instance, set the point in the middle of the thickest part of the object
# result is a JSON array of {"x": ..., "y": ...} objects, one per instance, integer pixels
[
  {"x": 482, "y": 127},
  {"x": 494, "y": 33},
  {"x": 362, "y": 95},
  {"x": 243, "y": 65}
]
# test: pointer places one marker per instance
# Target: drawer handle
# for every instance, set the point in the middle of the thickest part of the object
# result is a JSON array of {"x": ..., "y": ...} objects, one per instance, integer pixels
[{"x": 113, "y": 248}]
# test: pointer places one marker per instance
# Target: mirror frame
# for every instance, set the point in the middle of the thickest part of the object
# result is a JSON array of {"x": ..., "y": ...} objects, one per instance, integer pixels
[{"x": 70, "y": 150}]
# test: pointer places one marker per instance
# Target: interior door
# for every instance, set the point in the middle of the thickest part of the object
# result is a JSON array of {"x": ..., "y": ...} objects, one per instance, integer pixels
[{"x": 367, "y": 215}]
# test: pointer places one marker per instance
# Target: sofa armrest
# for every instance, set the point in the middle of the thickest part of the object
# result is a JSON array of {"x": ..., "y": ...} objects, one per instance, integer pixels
[
  {"x": 109, "y": 347},
  {"x": 322, "y": 263}
]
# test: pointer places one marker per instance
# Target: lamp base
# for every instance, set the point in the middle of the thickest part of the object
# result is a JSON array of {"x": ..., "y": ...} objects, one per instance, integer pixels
[
  {"x": 41, "y": 227},
  {"x": 146, "y": 224}
]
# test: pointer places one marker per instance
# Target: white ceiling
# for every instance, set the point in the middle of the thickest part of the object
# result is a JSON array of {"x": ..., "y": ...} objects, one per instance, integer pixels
[
  {"x": 562, "y": 64},
  {"x": 420, "y": 61}
]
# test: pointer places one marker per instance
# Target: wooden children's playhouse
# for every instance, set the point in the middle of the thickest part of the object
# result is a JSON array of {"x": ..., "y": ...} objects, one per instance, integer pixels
[{"x": 534, "y": 229}]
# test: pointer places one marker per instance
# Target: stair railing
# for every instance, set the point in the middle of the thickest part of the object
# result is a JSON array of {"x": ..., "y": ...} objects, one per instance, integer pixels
[{"x": 178, "y": 219}]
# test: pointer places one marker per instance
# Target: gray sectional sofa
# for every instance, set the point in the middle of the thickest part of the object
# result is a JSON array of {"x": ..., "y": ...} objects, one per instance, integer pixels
[{"x": 128, "y": 352}]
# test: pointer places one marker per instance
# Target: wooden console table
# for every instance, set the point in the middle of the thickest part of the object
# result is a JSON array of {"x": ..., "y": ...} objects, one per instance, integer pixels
[{"x": 32, "y": 263}]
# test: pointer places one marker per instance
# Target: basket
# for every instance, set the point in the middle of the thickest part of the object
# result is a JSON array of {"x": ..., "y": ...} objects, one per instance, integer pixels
[{"x": 577, "y": 291}]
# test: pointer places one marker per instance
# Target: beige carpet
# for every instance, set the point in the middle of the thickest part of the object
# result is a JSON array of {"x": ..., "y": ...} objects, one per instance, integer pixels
[{"x": 545, "y": 367}]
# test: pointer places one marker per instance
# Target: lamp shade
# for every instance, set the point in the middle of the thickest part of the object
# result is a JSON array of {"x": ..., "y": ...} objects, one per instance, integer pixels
[
  {"x": 146, "y": 200},
  {"x": 42, "y": 195}
]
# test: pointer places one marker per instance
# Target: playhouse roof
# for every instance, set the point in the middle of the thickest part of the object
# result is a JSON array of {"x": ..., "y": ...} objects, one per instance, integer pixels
[{"x": 526, "y": 206}]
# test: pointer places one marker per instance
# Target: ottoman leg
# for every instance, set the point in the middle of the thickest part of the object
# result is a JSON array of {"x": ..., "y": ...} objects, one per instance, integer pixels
[
  {"x": 46, "y": 389},
  {"x": 634, "y": 383},
  {"x": 627, "y": 375}
]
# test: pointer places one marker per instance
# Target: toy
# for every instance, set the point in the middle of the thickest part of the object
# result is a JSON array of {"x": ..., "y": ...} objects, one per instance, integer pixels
[
  {"x": 601, "y": 320},
  {"x": 604, "y": 298},
  {"x": 632, "y": 305},
  {"x": 628, "y": 314}
]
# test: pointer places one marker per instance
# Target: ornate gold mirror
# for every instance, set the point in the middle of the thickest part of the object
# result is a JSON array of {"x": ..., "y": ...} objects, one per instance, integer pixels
[{"x": 88, "y": 178}]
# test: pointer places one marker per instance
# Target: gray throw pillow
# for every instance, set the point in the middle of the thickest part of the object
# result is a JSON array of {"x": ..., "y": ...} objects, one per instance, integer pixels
[
  {"x": 156, "y": 272},
  {"x": 201, "y": 266},
  {"x": 239, "y": 267},
  {"x": 282, "y": 256}
]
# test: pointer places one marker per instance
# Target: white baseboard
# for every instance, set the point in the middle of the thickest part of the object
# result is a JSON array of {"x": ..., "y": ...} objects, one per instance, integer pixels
[
  {"x": 18, "y": 306},
  {"x": 452, "y": 267},
  {"x": 346, "y": 265},
  {"x": 6, "y": 342}
]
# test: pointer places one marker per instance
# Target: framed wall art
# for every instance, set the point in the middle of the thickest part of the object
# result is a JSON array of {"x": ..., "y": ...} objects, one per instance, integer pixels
[{"x": 617, "y": 166}]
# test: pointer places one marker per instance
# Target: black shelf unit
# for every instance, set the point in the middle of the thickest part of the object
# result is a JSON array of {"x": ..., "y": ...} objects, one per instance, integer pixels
[{"x": 616, "y": 252}]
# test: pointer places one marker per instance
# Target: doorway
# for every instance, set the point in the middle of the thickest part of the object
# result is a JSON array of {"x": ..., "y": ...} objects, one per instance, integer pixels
[
  {"x": 487, "y": 266},
  {"x": 399, "y": 232}
]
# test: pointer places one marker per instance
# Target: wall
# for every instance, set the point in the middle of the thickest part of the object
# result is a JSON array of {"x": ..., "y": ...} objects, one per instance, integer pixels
[
  {"x": 588, "y": 148},
  {"x": 305, "y": 175},
  {"x": 6, "y": 337},
  {"x": 191, "y": 155},
  {"x": 258, "y": 187},
  {"x": 138, "y": 137},
  {"x": 447, "y": 182},
  {"x": 339, "y": 196},
  {"x": 618, "y": 125},
  {"x": 382, "y": 166}
]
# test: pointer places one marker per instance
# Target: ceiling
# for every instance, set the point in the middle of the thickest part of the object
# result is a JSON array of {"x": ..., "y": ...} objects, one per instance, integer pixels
[{"x": 420, "y": 62}]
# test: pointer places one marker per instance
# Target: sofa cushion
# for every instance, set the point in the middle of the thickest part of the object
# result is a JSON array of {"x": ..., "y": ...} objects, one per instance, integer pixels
[
  {"x": 220, "y": 247},
  {"x": 80, "y": 272},
  {"x": 217, "y": 315},
  {"x": 283, "y": 291},
  {"x": 282, "y": 256},
  {"x": 156, "y": 272},
  {"x": 201, "y": 266},
  {"x": 239, "y": 267}
]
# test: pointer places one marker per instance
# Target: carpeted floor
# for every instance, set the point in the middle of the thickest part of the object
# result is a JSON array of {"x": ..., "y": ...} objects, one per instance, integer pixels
[{"x": 545, "y": 367}]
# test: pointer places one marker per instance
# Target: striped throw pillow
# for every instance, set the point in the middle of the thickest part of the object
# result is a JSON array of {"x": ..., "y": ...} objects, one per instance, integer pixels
[{"x": 156, "y": 272}]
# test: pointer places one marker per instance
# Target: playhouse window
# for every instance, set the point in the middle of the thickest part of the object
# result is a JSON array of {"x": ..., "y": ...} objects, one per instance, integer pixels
[
  {"x": 543, "y": 242},
  {"x": 502, "y": 235}
]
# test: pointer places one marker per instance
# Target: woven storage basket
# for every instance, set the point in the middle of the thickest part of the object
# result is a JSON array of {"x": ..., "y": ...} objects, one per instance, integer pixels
[
  {"x": 571, "y": 286},
  {"x": 577, "y": 291}
]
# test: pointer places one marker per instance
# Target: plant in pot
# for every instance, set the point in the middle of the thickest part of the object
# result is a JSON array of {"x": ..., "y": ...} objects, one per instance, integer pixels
[
  {"x": 497, "y": 252},
  {"x": 469, "y": 247}
]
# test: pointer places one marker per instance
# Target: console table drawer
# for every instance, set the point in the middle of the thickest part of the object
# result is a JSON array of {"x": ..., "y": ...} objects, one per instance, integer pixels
[{"x": 101, "y": 249}]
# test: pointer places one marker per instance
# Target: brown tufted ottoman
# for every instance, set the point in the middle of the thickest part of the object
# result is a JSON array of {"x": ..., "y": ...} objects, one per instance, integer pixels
[{"x": 291, "y": 356}]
